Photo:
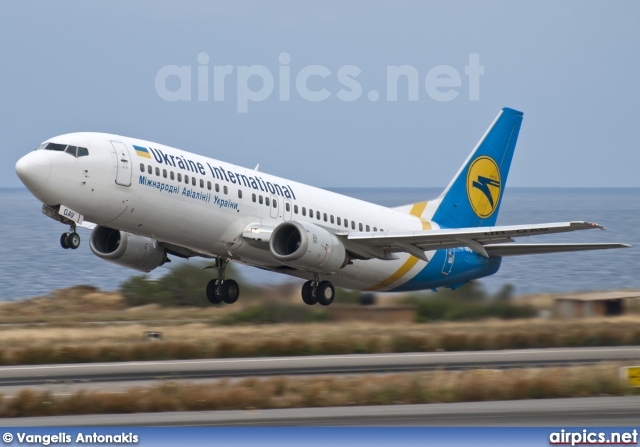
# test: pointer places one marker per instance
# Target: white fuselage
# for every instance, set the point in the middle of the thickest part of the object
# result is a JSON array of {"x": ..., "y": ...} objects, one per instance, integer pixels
[{"x": 209, "y": 213}]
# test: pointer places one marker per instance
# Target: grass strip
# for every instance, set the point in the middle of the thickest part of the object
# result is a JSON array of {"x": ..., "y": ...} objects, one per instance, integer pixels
[{"x": 28, "y": 347}]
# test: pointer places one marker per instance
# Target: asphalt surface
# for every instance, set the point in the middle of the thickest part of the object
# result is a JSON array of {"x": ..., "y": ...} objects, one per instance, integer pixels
[
  {"x": 35, "y": 375},
  {"x": 582, "y": 412}
]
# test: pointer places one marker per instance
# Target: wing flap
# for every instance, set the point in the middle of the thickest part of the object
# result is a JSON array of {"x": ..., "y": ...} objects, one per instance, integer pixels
[{"x": 495, "y": 250}]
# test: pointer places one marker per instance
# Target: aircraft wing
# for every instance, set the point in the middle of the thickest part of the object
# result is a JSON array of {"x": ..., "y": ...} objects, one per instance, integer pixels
[{"x": 486, "y": 241}]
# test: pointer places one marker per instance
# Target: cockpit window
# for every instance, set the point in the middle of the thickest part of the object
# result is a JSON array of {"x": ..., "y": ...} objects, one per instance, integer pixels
[
  {"x": 56, "y": 147},
  {"x": 72, "y": 150}
]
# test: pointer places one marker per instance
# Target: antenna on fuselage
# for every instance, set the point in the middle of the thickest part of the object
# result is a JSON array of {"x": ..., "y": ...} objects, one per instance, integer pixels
[{"x": 257, "y": 168}]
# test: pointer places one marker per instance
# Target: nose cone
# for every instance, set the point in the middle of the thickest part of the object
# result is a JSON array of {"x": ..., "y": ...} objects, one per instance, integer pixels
[{"x": 33, "y": 169}]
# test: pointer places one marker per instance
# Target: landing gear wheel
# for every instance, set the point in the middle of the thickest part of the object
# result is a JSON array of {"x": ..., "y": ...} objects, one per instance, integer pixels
[
  {"x": 212, "y": 296},
  {"x": 72, "y": 240},
  {"x": 221, "y": 289},
  {"x": 325, "y": 292},
  {"x": 63, "y": 240},
  {"x": 307, "y": 295},
  {"x": 229, "y": 291}
]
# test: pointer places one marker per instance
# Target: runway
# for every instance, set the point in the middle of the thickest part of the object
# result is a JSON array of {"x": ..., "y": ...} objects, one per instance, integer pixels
[
  {"x": 34, "y": 375},
  {"x": 596, "y": 411},
  {"x": 65, "y": 379}
]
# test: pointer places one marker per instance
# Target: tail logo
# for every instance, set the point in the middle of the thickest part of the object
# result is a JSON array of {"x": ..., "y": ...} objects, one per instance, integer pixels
[{"x": 483, "y": 186}]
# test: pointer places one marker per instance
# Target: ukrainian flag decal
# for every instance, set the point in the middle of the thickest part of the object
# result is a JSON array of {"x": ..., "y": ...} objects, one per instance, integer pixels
[
  {"x": 142, "y": 151},
  {"x": 483, "y": 186}
]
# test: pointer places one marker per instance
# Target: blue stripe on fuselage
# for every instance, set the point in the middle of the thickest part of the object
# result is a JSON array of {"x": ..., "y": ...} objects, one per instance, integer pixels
[{"x": 467, "y": 265}]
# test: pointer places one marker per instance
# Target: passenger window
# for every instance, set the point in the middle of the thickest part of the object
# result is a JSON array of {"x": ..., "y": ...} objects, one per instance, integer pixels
[
  {"x": 368, "y": 228},
  {"x": 253, "y": 197},
  {"x": 331, "y": 218},
  {"x": 304, "y": 211},
  {"x": 201, "y": 183},
  {"x": 275, "y": 203},
  {"x": 338, "y": 221},
  {"x": 172, "y": 175},
  {"x": 318, "y": 215},
  {"x": 226, "y": 190},
  {"x": 287, "y": 206},
  {"x": 217, "y": 188},
  {"x": 209, "y": 186},
  {"x": 325, "y": 217},
  {"x": 353, "y": 225},
  {"x": 141, "y": 167},
  {"x": 375, "y": 229},
  {"x": 158, "y": 172},
  {"x": 179, "y": 177},
  {"x": 360, "y": 227},
  {"x": 164, "y": 173},
  {"x": 260, "y": 200},
  {"x": 240, "y": 194},
  {"x": 193, "y": 181},
  {"x": 186, "y": 179},
  {"x": 311, "y": 213},
  {"x": 83, "y": 152},
  {"x": 346, "y": 223},
  {"x": 295, "y": 209},
  {"x": 149, "y": 169},
  {"x": 266, "y": 201}
]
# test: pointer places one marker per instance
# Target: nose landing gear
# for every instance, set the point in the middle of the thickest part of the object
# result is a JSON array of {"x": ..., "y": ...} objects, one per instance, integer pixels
[{"x": 70, "y": 239}]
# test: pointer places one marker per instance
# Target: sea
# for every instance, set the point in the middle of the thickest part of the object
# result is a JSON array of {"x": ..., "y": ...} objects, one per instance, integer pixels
[{"x": 32, "y": 263}]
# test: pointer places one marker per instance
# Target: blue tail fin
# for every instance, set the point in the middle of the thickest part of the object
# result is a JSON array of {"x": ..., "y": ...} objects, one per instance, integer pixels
[{"x": 473, "y": 197}]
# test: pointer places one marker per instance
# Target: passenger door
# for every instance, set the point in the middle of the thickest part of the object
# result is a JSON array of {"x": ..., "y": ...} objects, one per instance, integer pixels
[
  {"x": 449, "y": 258},
  {"x": 123, "y": 160}
]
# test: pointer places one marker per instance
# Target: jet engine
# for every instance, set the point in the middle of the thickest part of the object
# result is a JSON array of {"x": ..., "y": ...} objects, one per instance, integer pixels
[
  {"x": 306, "y": 246},
  {"x": 126, "y": 249}
]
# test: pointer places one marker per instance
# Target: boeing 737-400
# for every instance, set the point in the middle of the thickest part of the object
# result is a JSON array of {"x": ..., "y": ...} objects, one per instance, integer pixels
[{"x": 146, "y": 202}]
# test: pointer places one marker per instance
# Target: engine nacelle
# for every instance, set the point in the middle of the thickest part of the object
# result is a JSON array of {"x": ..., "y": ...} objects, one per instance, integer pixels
[
  {"x": 306, "y": 246},
  {"x": 126, "y": 249}
]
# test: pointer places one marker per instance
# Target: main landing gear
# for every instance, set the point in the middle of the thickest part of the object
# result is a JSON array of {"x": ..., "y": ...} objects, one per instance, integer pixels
[
  {"x": 221, "y": 289},
  {"x": 316, "y": 291},
  {"x": 70, "y": 239}
]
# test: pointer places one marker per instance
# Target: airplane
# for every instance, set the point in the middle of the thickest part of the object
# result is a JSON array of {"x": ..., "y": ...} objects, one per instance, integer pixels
[{"x": 145, "y": 202}]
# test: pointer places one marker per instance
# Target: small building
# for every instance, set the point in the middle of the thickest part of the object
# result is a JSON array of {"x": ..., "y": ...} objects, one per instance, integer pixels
[{"x": 593, "y": 304}]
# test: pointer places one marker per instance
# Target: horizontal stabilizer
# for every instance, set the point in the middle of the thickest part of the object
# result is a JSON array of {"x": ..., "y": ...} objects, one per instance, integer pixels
[{"x": 495, "y": 250}]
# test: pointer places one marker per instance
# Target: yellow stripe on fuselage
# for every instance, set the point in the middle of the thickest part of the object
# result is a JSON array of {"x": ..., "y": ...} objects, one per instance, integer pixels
[
  {"x": 416, "y": 210},
  {"x": 408, "y": 265}
]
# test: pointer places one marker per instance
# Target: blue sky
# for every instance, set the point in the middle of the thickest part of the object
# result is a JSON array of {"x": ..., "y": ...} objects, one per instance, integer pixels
[{"x": 571, "y": 67}]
